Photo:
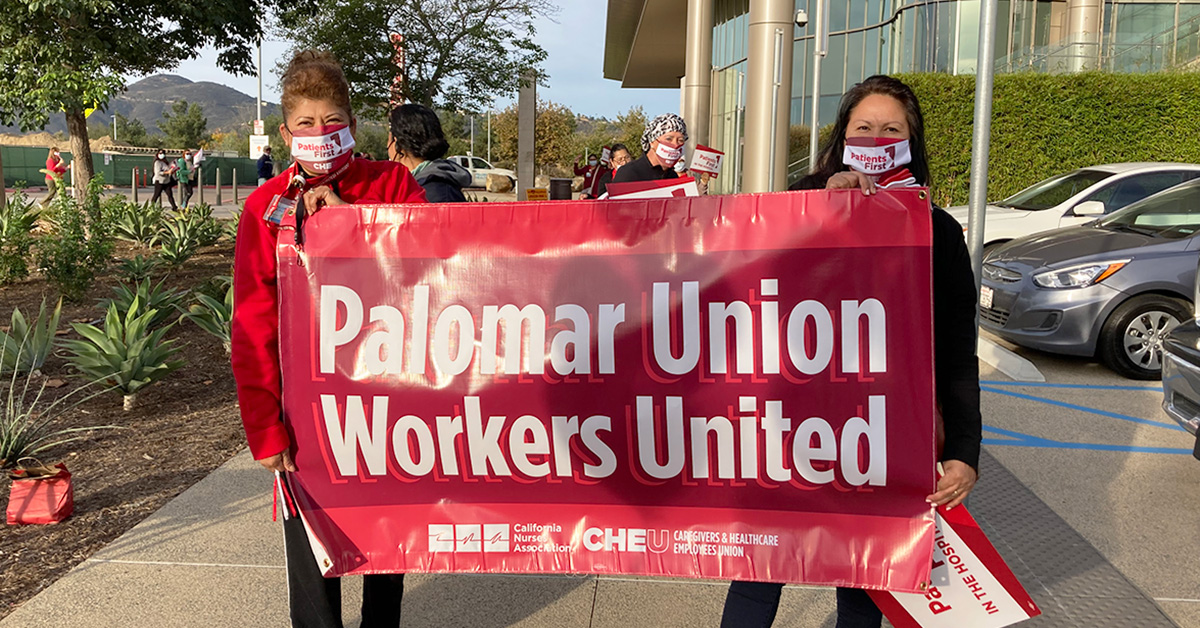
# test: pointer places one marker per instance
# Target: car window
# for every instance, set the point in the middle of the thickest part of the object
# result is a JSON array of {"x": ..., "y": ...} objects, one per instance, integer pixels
[
  {"x": 1138, "y": 187},
  {"x": 1172, "y": 214},
  {"x": 1054, "y": 190},
  {"x": 480, "y": 164}
]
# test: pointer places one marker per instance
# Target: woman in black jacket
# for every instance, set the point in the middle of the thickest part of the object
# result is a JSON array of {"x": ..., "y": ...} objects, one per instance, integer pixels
[
  {"x": 417, "y": 142},
  {"x": 879, "y": 142}
]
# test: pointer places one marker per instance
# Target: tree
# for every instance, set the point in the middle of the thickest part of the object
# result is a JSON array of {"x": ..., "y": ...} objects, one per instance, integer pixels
[
  {"x": 131, "y": 132},
  {"x": 554, "y": 135},
  {"x": 185, "y": 125},
  {"x": 457, "y": 54},
  {"x": 630, "y": 126},
  {"x": 69, "y": 55}
]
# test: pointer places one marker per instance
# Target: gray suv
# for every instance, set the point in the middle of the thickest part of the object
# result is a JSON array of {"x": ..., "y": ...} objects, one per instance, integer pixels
[{"x": 1112, "y": 289}]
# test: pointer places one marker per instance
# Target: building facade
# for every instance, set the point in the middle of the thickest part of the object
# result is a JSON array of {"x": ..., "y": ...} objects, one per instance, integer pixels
[{"x": 896, "y": 36}]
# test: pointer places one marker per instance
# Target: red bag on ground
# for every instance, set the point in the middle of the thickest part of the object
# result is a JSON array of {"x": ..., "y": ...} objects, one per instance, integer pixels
[{"x": 40, "y": 494}]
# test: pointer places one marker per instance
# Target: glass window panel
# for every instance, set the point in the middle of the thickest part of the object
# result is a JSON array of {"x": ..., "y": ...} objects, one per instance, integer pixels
[
  {"x": 968, "y": 37},
  {"x": 1187, "y": 43},
  {"x": 944, "y": 36},
  {"x": 854, "y": 58},
  {"x": 1041, "y": 36},
  {"x": 1003, "y": 22},
  {"x": 857, "y": 14},
  {"x": 833, "y": 67},
  {"x": 838, "y": 14}
]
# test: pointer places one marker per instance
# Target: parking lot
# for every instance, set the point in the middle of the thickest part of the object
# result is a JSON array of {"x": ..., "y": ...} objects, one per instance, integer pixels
[{"x": 1101, "y": 453}]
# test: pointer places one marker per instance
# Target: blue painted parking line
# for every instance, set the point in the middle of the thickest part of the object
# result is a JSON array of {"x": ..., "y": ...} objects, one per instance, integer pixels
[
  {"x": 1019, "y": 439},
  {"x": 1083, "y": 386},
  {"x": 1072, "y": 406}
]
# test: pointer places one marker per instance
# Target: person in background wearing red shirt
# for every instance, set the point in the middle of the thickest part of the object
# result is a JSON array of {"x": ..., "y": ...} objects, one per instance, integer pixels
[
  {"x": 316, "y": 110},
  {"x": 591, "y": 173},
  {"x": 55, "y": 167}
]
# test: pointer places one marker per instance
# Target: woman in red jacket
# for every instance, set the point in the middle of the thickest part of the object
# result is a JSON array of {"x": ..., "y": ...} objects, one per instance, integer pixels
[
  {"x": 316, "y": 111},
  {"x": 55, "y": 169}
]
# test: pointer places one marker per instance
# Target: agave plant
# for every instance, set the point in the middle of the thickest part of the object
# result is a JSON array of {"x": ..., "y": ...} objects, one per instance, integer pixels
[
  {"x": 206, "y": 229},
  {"x": 139, "y": 268},
  {"x": 19, "y": 213},
  {"x": 231, "y": 226},
  {"x": 163, "y": 301},
  {"x": 27, "y": 424},
  {"x": 179, "y": 240},
  {"x": 127, "y": 354},
  {"x": 213, "y": 316},
  {"x": 137, "y": 223},
  {"x": 26, "y": 346}
]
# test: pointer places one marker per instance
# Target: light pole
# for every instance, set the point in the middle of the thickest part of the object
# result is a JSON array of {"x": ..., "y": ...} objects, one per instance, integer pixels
[
  {"x": 114, "y": 128},
  {"x": 820, "y": 49}
]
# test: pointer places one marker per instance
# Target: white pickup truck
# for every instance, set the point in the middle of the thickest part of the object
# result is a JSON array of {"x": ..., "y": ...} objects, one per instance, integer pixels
[{"x": 480, "y": 169}]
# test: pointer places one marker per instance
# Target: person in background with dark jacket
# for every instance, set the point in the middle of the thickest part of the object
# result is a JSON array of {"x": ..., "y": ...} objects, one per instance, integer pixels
[
  {"x": 266, "y": 167},
  {"x": 591, "y": 173},
  {"x": 619, "y": 156},
  {"x": 881, "y": 121},
  {"x": 417, "y": 142},
  {"x": 662, "y": 148}
]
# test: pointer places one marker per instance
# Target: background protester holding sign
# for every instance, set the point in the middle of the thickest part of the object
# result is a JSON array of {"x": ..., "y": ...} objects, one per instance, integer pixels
[
  {"x": 879, "y": 142},
  {"x": 320, "y": 128}
]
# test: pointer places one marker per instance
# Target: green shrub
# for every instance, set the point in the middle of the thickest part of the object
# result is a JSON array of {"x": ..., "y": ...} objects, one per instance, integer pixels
[
  {"x": 178, "y": 241},
  {"x": 27, "y": 424},
  {"x": 1044, "y": 125},
  {"x": 139, "y": 268},
  {"x": 213, "y": 316},
  {"x": 142, "y": 297},
  {"x": 127, "y": 354},
  {"x": 27, "y": 344},
  {"x": 206, "y": 229},
  {"x": 137, "y": 223},
  {"x": 231, "y": 227},
  {"x": 17, "y": 219},
  {"x": 78, "y": 243}
]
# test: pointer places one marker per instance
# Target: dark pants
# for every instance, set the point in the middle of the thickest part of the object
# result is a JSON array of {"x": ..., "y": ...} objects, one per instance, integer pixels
[
  {"x": 753, "y": 605},
  {"x": 316, "y": 601},
  {"x": 159, "y": 188},
  {"x": 185, "y": 193}
]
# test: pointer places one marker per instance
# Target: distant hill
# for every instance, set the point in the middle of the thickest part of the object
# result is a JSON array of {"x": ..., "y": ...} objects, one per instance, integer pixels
[{"x": 226, "y": 108}]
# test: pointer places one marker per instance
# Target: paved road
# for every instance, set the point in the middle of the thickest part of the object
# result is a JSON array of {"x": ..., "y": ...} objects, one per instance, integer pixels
[{"x": 1099, "y": 450}]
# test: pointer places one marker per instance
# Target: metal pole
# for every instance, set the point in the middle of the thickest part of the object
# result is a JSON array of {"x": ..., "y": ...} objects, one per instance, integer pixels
[
  {"x": 982, "y": 135},
  {"x": 258, "y": 103},
  {"x": 114, "y": 128},
  {"x": 737, "y": 132},
  {"x": 820, "y": 49},
  {"x": 489, "y": 135},
  {"x": 775, "y": 100},
  {"x": 472, "y": 135},
  {"x": 218, "y": 186},
  {"x": 200, "y": 180},
  {"x": 235, "y": 191},
  {"x": 134, "y": 183}
]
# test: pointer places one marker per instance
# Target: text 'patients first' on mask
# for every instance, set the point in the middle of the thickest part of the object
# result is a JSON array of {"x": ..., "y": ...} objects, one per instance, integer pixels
[
  {"x": 668, "y": 155},
  {"x": 322, "y": 149},
  {"x": 875, "y": 155}
]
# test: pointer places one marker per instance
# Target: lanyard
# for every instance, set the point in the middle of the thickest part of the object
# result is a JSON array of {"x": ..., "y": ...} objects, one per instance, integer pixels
[{"x": 287, "y": 210}]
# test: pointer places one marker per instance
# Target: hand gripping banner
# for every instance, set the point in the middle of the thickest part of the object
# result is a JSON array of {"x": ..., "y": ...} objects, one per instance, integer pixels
[{"x": 732, "y": 387}]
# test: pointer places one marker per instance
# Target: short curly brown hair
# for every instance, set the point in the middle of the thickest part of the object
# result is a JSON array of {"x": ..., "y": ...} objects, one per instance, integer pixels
[{"x": 314, "y": 75}]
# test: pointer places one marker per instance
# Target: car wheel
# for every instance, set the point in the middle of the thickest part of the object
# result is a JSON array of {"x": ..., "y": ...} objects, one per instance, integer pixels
[{"x": 1132, "y": 337}]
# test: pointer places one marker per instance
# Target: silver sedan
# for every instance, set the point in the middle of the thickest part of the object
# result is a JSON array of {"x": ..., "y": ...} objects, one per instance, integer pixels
[{"x": 1112, "y": 289}]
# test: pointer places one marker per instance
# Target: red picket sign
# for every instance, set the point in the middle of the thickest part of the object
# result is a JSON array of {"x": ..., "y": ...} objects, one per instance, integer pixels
[
  {"x": 733, "y": 387},
  {"x": 972, "y": 585},
  {"x": 44, "y": 498}
]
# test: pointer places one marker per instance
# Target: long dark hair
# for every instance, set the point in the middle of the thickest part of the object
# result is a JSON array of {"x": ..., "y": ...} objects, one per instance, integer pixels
[
  {"x": 829, "y": 161},
  {"x": 418, "y": 132}
]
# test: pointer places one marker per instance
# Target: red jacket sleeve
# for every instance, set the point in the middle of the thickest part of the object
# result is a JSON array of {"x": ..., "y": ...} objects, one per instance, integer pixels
[{"x": 255, "y": 339}]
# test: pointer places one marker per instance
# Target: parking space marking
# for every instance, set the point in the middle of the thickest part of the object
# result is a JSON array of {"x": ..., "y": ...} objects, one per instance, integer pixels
[
  {"x": 1072, "y": 406},
  {"x": 1082, "y": 386},
  {"x": 1020, "y": 439}
]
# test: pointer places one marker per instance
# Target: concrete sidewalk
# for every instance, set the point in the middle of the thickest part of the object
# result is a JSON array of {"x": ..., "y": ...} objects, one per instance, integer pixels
[{"x": 213, "y": 557}]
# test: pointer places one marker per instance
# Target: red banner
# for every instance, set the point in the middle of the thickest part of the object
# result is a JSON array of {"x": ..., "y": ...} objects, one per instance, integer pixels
[{"x": 733, "y": 387}]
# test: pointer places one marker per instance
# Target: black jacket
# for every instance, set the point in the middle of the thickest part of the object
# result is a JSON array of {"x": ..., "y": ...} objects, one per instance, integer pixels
[
  {"x": 266, "y": 167},
  {"x": 641, "y": 169},
  {"x": 956, "y": 369},
  {"x": 444, "y": 181}
]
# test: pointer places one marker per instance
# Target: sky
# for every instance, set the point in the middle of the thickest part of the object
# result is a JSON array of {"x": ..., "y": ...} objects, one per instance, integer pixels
[{"x": 574, "y": 43}]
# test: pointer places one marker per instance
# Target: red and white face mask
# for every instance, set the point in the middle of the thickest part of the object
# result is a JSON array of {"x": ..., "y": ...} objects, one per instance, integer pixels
[
  {"x": 875, "y": 155},
  {"x": 322, "y": 149}
]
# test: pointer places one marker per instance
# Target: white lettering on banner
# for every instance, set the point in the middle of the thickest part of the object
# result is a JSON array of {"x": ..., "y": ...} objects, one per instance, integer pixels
[
  {"x": 515, "y": 339},
  {"x": 808, "y": 358},
  {"x": 452, "y": 346},
  {"x": 776, "y": 428},
  {"x": 969, "y": 596},
  {"x": 527, "y": 445}
]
